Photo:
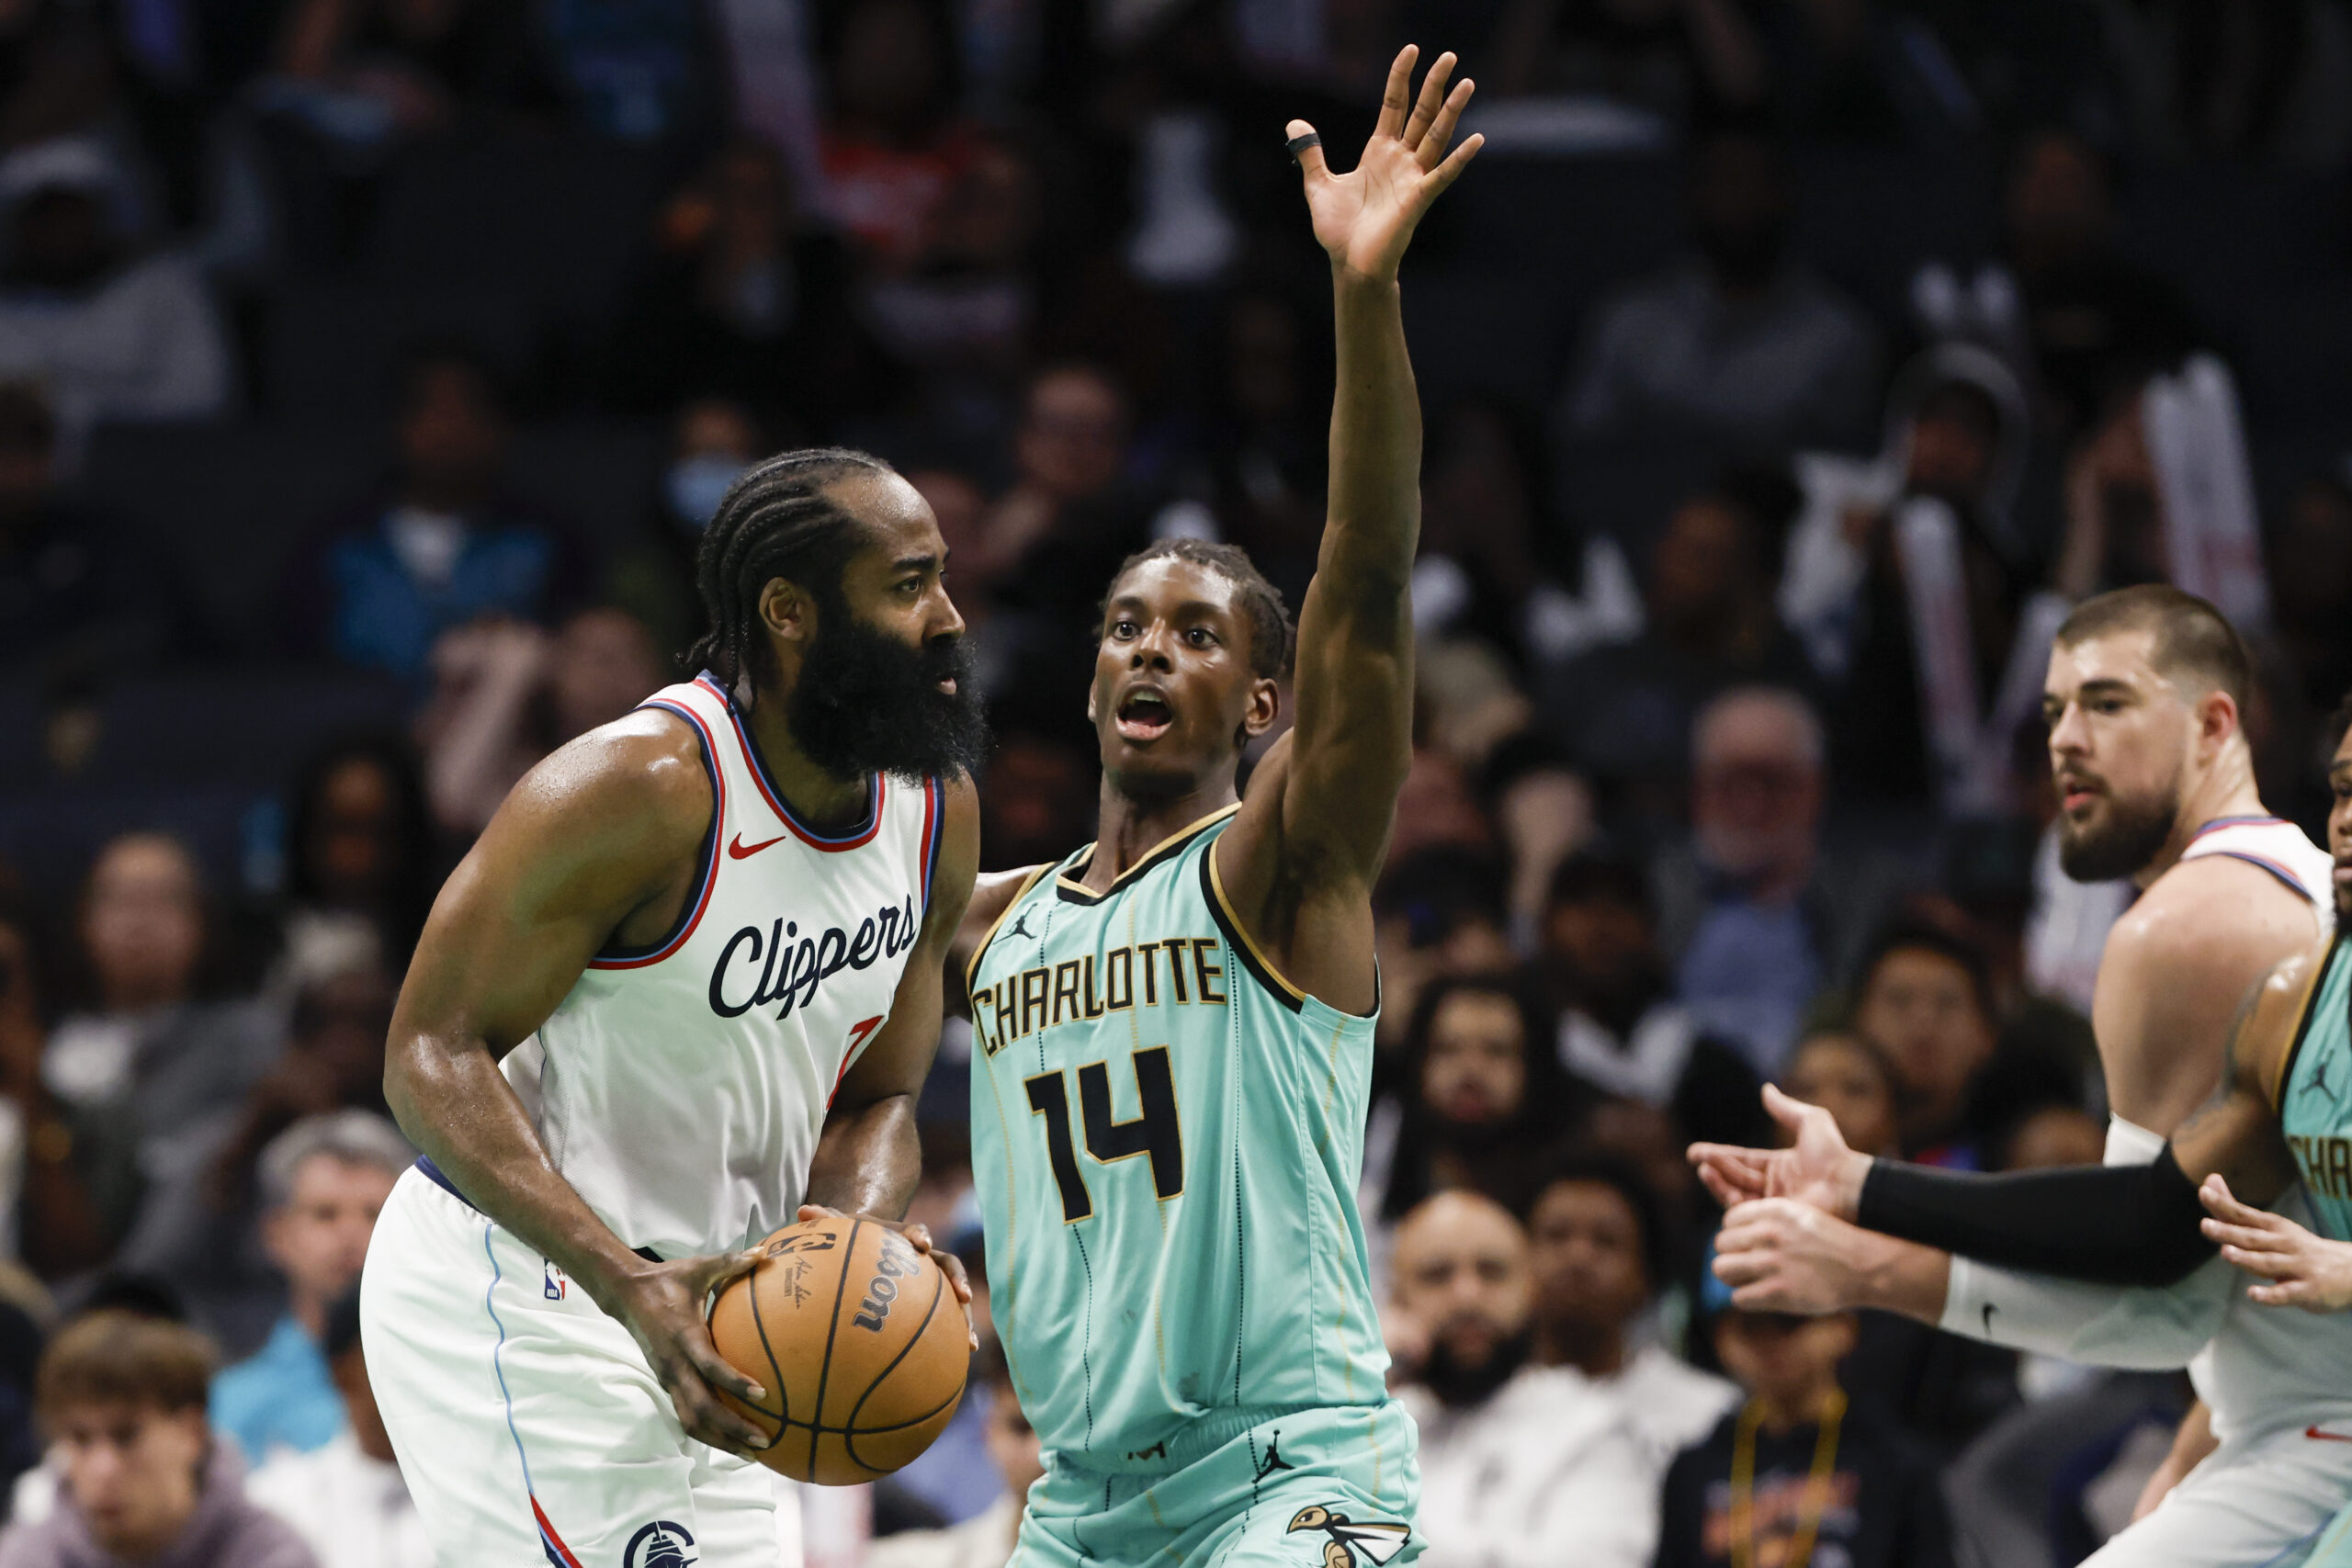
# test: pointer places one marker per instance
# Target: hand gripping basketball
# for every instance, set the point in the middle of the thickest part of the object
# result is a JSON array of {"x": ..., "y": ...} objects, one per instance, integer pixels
[{"x": 858, "y": 1339}]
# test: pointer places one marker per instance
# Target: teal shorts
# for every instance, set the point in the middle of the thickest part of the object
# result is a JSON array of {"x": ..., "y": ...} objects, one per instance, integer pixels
[{"x": 1328, "y": 1486}]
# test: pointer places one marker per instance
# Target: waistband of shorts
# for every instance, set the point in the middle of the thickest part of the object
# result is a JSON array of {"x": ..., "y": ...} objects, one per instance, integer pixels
[
  {"x": 433, "y": 1173},
  {"x": 1199, "y": 1437}
]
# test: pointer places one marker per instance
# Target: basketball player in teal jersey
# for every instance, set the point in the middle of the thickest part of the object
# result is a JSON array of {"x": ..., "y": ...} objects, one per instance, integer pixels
[{"x": 1173, "y": 1026}]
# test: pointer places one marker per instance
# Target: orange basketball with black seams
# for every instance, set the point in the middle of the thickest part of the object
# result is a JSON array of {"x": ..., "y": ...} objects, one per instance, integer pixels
[{"x": 859, "y": 1341}]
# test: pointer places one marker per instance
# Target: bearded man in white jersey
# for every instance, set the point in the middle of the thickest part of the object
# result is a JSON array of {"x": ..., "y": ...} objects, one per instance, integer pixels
[
  {"x": 2143, "y": 694},
  {"x": 683, "y": 989}
]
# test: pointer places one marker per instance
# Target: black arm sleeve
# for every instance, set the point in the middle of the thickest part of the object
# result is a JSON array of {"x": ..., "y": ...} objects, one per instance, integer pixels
[{"x": 2116, "y": 1225}]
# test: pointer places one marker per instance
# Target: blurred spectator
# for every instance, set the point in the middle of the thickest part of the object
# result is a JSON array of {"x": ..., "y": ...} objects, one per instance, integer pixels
[
  {"x": 347, "y": 1499},
  {"x": 507, "y": 694},
  {"x": 891, "y": 147},
  {"x": 1602, "y": 1257},
  {"x": 1268, "y": 435},
  {"x": 1522, "y": 1463},
  {"x": 445, "y": 546},
  {"x": 1684, "y": 60},
  {"x": 1437, "y": 913},
  {"x": 2160, "y": 491},
  {"x": 2311, "y": 576},
  {"x": 984, "y": 1540},
  {"x": 360, "y": 857},
  {"x": 1739, "y": 342},
  {"x": 1924, "y": 1000},
  {"x": 713, "y": 441},
  {"x": 114, "y": 335},
  {"x": 1481, "y": 1096},
  {"x": 199, "y": 1230},
  {"x": 2092, "y": 318},
  {"x": 1795, "y": 1474},
  {"x": 1837, "y": 1071},
  {"x": 80, "y": 598},
  {"x": 1039, "y": 793},
  {"x": 1621, "y": 1031},
  {"x": 142, "y": 1480},
  {"x": 745, "y": 302},
  {"x": 323, "y": 1181},
  {"x": 1625, "y": 710},
  {"x": 147, "y": 1059},
  {"x": 361, "y": 73},
  {"x": 2209, "y": 78},
  {"x": 1759, "y": 918},
  {"x": 45, "y": 1216},
  {"x": 1885, "y": 550},
  {"x": 1543, "y": 812},
  {"x": 962, "y": 303},
  {"x": 643, "y": 71}
]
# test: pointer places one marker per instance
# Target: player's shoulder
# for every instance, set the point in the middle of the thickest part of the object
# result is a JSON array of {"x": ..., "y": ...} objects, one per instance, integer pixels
[
  {"x": 643, "y": 774},
  {"x": 2172, "y": 924}
]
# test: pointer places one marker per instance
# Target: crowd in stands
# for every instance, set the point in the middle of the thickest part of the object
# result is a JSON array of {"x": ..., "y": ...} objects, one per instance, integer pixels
[{"x": 369, "y": 367}]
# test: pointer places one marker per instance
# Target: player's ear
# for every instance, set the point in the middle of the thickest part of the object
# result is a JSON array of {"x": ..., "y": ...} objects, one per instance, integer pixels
[
  {"x": 789, "y": 613},
  {"x": 1266, "y": 708},
  {"x": 2217, "y": 720}
]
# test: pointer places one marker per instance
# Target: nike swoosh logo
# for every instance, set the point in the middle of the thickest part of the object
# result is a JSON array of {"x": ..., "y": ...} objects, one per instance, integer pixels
[
  {"x": 2314, "y": 1432},
  {"x": 740, "y": 850}
]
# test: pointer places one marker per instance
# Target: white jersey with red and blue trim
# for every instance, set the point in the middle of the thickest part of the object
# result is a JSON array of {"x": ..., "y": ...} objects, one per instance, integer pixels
[
  {"x": 2278, "y": 847},
  {"x": 681, "y": 1088}
]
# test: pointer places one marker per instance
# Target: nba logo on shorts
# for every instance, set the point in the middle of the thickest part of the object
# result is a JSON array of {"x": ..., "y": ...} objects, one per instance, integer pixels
[
  {"x": 659, "y": 1545},
  {"x": 556, "y": 1286}
]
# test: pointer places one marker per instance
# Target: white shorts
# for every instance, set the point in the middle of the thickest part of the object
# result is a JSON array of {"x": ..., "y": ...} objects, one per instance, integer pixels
[
  {"x": 530, "y": 1428},
  {"x": 2255, "y": 1501}
]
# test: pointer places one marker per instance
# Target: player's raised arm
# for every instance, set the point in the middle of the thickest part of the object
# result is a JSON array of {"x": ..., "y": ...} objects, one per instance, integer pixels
[
  {"x": 1326, "y": 807},
  {"x": 591, "y": 841}
]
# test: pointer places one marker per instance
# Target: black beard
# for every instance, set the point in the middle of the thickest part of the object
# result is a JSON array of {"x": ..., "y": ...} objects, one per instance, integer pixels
[
  {"x": 1459, "y": 1387},
  {"x": 867, "y": 703},
  {"x": 2133, "y": 835}
]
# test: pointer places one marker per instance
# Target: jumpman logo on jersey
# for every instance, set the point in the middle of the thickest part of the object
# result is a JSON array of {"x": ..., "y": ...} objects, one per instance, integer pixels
[
  {"x": 1274, "y": 1460},
  {"x": 1021, "y": 927},
  {"x": 2320, "y": 1083}
]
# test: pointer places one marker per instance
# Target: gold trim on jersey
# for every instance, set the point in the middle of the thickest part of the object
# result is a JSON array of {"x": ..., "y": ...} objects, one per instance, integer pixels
[
  {"x": 2303, "y": 1011},
  {"x": 1071, "y": 888},
  {"x": 1259, "y": 965},
  {"x": 1035, "y": 876}
]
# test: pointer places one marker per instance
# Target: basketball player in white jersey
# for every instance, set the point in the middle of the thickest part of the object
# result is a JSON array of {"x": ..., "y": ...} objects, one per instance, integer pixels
[
  {"x": 2142, "y": 698},
  {"x": 686, "y": 984}
]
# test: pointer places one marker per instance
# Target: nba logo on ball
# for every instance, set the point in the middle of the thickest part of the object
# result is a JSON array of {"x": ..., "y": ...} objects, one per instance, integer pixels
[{"x": 659, "y": 1545}]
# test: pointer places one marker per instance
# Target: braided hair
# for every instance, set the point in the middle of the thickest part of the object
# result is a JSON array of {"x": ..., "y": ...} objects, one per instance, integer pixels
[{"x": 775, "y": 521}]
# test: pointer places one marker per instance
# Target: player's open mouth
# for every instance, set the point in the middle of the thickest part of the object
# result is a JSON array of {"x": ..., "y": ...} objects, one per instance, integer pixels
[
  {"x": 1144, "y": 714},
  {"x": 2076, "y": 794},
  {"x": 946, "y": 685}
]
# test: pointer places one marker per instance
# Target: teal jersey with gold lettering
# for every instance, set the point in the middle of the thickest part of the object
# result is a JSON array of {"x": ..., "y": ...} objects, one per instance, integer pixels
[
  {"x": 1166, "y": 1140},
  {"x": 2315, "y": 1093}
]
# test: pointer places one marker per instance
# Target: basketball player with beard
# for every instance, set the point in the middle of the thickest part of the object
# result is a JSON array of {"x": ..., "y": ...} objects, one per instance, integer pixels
[
  {"x": 685, "y": 988},
  {"x": 2271, "y": 1381},
  {"x": 1173, "y": 1026}
]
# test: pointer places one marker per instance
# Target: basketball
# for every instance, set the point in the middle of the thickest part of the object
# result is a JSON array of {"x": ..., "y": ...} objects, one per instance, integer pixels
[{"x": 859, "y": 1341}]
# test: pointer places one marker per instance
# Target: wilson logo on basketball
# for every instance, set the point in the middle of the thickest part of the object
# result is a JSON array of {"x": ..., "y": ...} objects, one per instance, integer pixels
[
  {"x": 894, "y": 1263},
  {"x": 780, "y": 964}
]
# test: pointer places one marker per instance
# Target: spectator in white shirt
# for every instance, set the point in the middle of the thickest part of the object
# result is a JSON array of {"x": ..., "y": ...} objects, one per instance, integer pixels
[
  {"x": 984, "y": 1540},
  {"x": 347, "y": 1499}
]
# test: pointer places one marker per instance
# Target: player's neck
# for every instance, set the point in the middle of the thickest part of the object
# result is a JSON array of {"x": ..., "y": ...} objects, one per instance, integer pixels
[
  {"x": 1127, "y": 828},
  {"x": 818, "y": 797},
  {"x": 2227, "y": 791}
]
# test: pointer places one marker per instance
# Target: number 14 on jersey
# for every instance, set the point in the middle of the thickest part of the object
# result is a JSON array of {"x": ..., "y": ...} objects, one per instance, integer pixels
[{"x": 1156, "y": 1132}]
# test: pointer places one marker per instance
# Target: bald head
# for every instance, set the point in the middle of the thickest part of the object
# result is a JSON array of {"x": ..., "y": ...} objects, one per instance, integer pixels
[{"x": 1461, "y": 1271}]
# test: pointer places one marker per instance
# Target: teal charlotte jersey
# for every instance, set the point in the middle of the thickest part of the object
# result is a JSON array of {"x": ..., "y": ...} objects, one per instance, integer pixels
[
  {"x": 2315, "y": 1093},
  {"x": 1166, "y": 1141}
]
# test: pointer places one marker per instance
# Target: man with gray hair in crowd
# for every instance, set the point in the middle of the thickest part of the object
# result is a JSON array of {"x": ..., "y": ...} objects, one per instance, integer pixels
[
  {"x": 323, "y": 1181},
  {"x": 1755, "y": 926}
]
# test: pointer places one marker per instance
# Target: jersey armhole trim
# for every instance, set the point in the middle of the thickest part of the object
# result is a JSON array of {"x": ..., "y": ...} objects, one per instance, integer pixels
[
  {"x": 972, "y": 967},
  {"x": 934, "y": 822},
  {"x": 2304, "y": 1011},
  {"x": 707, "y": 860},
  {"x": 1253, "y": 959},
  {"x": 2272, "y": 866}
]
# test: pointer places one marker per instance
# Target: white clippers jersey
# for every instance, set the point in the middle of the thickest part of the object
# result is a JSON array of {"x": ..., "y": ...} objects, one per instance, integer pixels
[
  {"x": 2273, "y": 1365},
  {"x": 681, "y": 1088}
]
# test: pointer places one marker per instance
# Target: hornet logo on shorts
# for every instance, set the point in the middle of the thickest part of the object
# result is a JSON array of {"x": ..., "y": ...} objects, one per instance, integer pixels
[
  {"x": 1377, "y": 1540},
  {"x": 660, "y": 1545}
]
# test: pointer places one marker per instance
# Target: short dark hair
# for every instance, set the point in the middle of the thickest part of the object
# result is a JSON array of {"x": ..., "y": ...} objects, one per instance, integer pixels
[
  {"x": 1906, "y": 936},
  {"x": 1271, "y": 637},
  {"x": 2192, "y": 636},
  {"x": 2339, "y": 724},
  {"x": 122, "y": 1358},
  {"x": 774, "y": 521},
  {"x": 1603, "y": 1167},
  {"x": 1591, "y": 876}
]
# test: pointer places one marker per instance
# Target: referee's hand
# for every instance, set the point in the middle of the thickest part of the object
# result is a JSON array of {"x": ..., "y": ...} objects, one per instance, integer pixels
[{"x": 663, "y": 1305}]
